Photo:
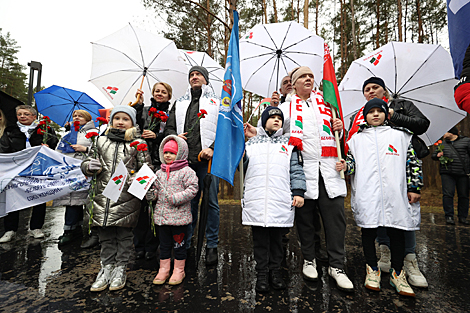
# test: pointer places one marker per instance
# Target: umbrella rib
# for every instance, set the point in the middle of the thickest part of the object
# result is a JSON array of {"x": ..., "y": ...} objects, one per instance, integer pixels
[
  {"x": 57, "y": 96},
  {"x": 427, "y": 85},
  {"x": 260, "y": 45},
  {"x": 251, "y": 76},
  {"x": 258, "y": 56},
  {"x": 300, "y": 52},
  {"x": 158, "y": 54},
  {"x": 298, "y": 42},
  {"x": 132, "y": 60},
  {"x": 395, "y": 62},
  {"x": 436, "y": 105},
  {"x": 271, "y": 37},
  {"x": 285, "y": 36},
  {"x": 138, "y": 43},
  {"x": 417, "y": 70}
]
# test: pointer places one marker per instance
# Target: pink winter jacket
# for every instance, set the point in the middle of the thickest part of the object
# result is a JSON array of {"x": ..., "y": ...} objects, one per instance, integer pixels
[{"x": 174, "y": 193}]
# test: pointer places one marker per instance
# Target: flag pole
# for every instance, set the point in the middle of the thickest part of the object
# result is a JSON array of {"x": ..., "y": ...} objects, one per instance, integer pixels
[{"x": 338, "y": 144}]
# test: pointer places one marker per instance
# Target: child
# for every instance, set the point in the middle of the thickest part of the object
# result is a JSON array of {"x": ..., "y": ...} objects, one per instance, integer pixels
[
  {"x": 115, "y": 219},
  {"x": 175, "y": 186},
  {"x": 273, "y": 175},
  {"x": 385, "y": 184}
]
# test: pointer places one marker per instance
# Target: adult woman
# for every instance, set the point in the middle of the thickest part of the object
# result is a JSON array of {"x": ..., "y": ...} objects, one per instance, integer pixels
[
  {"x": 145, "y": 242},
  {"x": 74, "y": 201},
  {"x": 307, "y": 119},
  {"x": 402, "y": 113}
]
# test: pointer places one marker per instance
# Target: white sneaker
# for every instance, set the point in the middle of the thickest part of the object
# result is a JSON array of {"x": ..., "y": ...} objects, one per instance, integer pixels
[
  {"x": 372, "y": 278},
  {"x": 414, "y": 275},
  {"x": 400, "y": 283},
  {"x": 341, "y": 278},
  {"x": 37, "y": 233},
  {"x": 384, "y": 263},
  {"x": 310, "y": 270},
  {"x": 7, "y": 236}
]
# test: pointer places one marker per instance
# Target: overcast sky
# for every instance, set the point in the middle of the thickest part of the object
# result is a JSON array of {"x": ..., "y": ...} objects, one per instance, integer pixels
[{"x": 58, "y": 33}]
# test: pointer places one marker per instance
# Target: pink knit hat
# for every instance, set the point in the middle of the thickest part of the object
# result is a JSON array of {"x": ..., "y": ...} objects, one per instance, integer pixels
[{"x": 171, "y": 146}]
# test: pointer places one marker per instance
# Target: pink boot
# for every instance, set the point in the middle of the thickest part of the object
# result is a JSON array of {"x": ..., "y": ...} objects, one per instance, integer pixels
[
  {"x": 178, "y": 273},
  {"x": 163, "y": 272}
]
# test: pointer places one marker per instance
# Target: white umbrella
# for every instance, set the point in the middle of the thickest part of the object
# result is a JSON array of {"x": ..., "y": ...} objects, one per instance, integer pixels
[
  {"x": 216, "y": 72},
  {"x": 420, "y": 73},
  {"x": 268, "y": 52},
  {"x": 121, "y": 60}
]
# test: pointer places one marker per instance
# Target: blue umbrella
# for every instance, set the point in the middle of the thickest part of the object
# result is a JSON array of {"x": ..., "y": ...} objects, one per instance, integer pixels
[{"x": 59, "y": 103}]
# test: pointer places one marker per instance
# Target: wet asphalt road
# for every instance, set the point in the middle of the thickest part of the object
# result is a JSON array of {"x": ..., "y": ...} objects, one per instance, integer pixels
[{"x": 37, "y": 276}]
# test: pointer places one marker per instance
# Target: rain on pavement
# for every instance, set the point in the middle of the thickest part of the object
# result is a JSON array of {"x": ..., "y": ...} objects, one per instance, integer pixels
[{"x": 38, "y": 276}]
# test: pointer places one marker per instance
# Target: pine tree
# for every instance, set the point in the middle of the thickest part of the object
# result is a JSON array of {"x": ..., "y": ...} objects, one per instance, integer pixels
[{"x": 12, "y": 77}]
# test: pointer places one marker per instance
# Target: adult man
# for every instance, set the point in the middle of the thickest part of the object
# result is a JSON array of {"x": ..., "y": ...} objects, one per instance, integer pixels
[
  {"x": 285, "y": 89},
  {"x": 16, "y": 138},
  {"x": 184, "y": 117},
  {"x": 454, "y": 174}
]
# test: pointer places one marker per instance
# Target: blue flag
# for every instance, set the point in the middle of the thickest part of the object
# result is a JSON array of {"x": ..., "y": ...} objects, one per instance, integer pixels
[
  {"x": 230, "y": 138},
  {"x": 458, "y": 14}
]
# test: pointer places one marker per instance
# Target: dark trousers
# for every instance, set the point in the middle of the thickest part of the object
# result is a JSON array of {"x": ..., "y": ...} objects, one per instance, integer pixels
[
  {"x": 267, "y": 247},
  {"x": 144, "y": 238},
  {"x": 397, "y": 246},
  {"x": 12, "y": 220},
  {"x": 73, "y": 216},
  {"x": 116, "y": 245},
  {"x": 172, "y": 237},
  {"x": 449, "y": 182},
  {"x": 334, "y": 222}
]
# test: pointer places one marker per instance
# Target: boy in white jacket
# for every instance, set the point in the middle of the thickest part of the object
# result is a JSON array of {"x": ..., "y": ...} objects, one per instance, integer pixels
[
  {"x": 385, "y": 184},
  {"x": 274, "y": 185}
]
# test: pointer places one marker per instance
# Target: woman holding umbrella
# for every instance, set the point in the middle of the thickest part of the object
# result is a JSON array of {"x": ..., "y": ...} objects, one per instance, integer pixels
[
  {"x": 403, "y": 113},
  {"x": 73, "y": 202},
  {"x": 145, "y": 242}
]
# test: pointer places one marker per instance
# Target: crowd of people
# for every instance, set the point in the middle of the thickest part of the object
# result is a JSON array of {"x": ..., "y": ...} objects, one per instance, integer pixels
[{"x": 292, "y": 178}]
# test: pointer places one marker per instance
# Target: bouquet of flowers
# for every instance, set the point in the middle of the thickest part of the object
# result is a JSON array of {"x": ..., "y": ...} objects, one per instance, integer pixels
[
  {"x": 202, "y": 114},
  {"x": 443, "y": 159},
  {"x": 157, "y": 117},
  {"x": 43, "y": 126}
]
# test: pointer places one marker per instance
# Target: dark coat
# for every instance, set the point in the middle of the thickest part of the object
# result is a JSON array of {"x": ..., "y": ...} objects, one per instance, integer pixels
[
  {"x": 407, "y": 115},
  {"x": 462, "y": 145},
  {"x": 14, "y": 140}
]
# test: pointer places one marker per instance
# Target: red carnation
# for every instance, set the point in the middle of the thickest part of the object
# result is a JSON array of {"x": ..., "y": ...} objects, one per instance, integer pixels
[
  {"x": 102, "y": 120},
  {"x": 41, "y": 132},
  {"x": 42, "y": 123},
  {"x": 91, "y": 134},
  {"x": 203, "y": 111},
  {"x": 133, "y": 144},
  {"x": 164, "y": 118},
  {"x": 76, "y": 124},
  {"x": 142, "y": 147},
  {"x": 152, "y": 110},
  {"x": 46, "y": 118}
]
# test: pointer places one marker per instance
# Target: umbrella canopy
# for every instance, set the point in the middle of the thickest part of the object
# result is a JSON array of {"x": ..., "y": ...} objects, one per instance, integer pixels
[
  {"x": 268, "y": 52},
  {"x": 59, "y": 103},
  {"x": 216, "y": 72},
  {"x": 121, "y": 60},
  {"x": 420, "y": 73},
  {"x": 8, "y": 105}
]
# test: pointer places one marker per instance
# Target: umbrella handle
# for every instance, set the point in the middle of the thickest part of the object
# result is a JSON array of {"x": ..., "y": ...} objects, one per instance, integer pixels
[
  {"x": 210, "y": 162},
  {"x": 138, "y": 96}
]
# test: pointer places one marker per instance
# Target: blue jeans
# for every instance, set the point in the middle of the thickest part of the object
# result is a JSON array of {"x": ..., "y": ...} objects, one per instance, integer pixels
[
  {"x": 73, "y": 216},
  {"x": 213, "y": 217},
  {"x": 449, "y": 182},
  {"x": 410, "y": 239}
]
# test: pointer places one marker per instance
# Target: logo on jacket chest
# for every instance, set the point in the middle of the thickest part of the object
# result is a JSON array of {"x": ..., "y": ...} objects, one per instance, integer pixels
[
  {"x": 284, "y": 150},
  {"x": 392, "y": 151}
]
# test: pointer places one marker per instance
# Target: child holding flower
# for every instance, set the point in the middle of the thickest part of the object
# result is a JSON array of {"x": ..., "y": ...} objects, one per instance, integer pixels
[{"x": 115, "y": 219}]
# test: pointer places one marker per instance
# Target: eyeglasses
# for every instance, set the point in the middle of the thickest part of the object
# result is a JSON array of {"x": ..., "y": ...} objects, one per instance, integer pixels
[{"x": 25, "y": 114}]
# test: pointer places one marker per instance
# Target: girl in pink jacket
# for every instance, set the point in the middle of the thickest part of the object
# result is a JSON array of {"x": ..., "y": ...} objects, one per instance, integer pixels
[{"x": 174, "y": 188}]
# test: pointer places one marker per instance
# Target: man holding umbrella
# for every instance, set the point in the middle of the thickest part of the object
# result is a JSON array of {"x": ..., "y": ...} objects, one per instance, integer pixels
[
  {"x": 22, "y": 135},
  {"x": 199, "y": 133},
  {"x": 285, "y": 89}
]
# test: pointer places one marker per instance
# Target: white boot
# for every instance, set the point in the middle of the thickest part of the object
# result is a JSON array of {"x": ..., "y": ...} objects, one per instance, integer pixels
[
  {"x": 7, "y": 237},
  {"x": 384, "y": 263},
  {"x": 414, "y": 275},
  {"x": 103, "y": 278}
]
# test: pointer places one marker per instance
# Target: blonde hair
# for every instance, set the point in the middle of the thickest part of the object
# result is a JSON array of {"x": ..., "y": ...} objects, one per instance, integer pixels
[
  {"x": 84, "y": 113},
  {"x": 167, "y": 87},
  {"x": 130, "y": 134},
  {"x": 3, "y": 123}
]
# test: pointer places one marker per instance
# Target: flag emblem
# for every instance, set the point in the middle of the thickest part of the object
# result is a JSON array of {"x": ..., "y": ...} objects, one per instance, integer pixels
[
  {"x": 117, "y": 179},
  {"x": 112, "y": 90},
  {"x": 249, "y": 36},
  {"x": 376, "y": 60},
  {"x": 327, "y": 127},
  {"x": 392, "y": 149},
  {"x": 142, "y": 180}
]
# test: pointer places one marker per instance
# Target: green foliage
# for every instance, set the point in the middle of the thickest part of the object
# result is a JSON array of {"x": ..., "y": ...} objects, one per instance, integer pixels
[{"x": 12, "y": 77}]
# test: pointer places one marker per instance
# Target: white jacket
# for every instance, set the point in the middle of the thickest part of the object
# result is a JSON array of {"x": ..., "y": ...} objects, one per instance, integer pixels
[
  {"x": 267, "y": 198},
  {"x": 209, "y": 102},
  {"x": 379, "y": 187},
  {"x": 314, "y": 163}
]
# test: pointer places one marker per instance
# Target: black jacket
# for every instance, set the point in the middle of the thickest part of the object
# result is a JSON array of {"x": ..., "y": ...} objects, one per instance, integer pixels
[
  {"x": 407, "y": 115},
  {"x": 13, "y": 140},
  {"x": 462, "y": 145}
]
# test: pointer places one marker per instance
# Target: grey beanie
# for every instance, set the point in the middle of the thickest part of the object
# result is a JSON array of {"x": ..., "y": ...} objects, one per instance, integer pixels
[
  {"x": 201, "y": 70},
  {"x": 125, "y": 109}
]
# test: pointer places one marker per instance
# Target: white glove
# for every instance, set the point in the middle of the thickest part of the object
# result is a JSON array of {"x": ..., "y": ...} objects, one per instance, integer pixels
[{"x": 94, "y": 165}]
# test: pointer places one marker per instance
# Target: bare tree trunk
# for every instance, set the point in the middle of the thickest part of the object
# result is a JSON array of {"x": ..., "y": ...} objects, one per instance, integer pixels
[
  {"x": 275, "y": 11},
  {"x": 316, "y": 16},
  {"x": 298, "y": 11},
  {"x": 353, "y": 28},
  {"x": 377, "y": 35},
  {"x": 420, "y": 22},
  {"x": 306, "y": 14},
  {"x": 209, "y": 31},
  {"x": 343, "y": 38},
  {"x": 406, "y": 14},
  {"x": 386, "y": 25},
  {"x": 265, "y": 12},
  {"x": 292, "y": 13},
  {"x": 400, "y": 32}
]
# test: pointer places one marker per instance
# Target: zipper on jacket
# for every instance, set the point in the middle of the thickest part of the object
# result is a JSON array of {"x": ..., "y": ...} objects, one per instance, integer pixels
[
  {"x": 106, "y": 210},
  {"x": 267, "y": 180},
  {"x": 380, "y": 175}
]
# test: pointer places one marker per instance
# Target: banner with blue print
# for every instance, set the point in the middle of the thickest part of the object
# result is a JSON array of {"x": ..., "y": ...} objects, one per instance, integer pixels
[
  {"x": 230, "y": 138},
  {"x": 37, "y": 175},
  {"x": 458, "y": 16}
]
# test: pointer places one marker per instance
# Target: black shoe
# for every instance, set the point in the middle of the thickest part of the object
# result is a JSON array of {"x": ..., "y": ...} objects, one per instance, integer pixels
[
  {"x": 150, "y": 255},
  {"x": 262, "y": 282},
  {"x": 463, "y": 220},
  {"x": 321, "y": 255},
  {"x": 211, "y": 256},
  {"x": 139, "y": 255},
  {"x": 276, "y": 280},
  {"x": 450, "y": 220},
  {"x": 69, "y": 236},
  {"x": 93, "y": 241}
]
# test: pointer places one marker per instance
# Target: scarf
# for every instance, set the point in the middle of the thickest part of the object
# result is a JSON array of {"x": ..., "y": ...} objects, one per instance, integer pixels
[
  {"x": 27, "y": 130},
  {"x": 176, "y": 165},
  {"x": 116, "y": 134},
  {"x": 322, "y": 112}
]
